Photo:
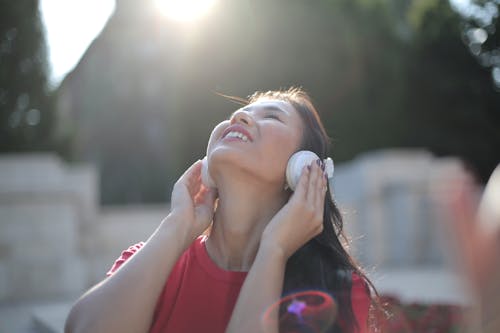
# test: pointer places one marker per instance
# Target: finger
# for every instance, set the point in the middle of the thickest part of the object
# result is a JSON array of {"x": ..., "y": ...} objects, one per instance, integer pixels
[
  {"x": 206, "y": 201},
  {"x": 464, "y": 230},
  {"x": 314, "y": 179},
  {"x": 205, "y": 195},
  {"x": 464, "y": 213},
  {"x": 321, "y": 190},
  {"x": 300, "y": 189},
  {"x": 319, "y": 200},
  {"x": 192, "y": 178},
  {"x": 196, "y": 166}
]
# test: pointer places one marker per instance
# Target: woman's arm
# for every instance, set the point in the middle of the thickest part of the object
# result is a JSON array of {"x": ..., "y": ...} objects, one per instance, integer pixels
[
  {"x": 125, "y": 301},
  {"x": 297, "y": 222},
  {"x": 261, "y": 289}
]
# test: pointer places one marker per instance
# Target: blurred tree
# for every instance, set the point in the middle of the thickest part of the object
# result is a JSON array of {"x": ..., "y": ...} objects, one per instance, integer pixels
[
  {"x": 480, "y": 33},
  {"x": 369, "y": 114},
  {"x": 418, "y": 87},
  {"x": 26, "y": 104},
  {"x": 383, "y": 73},
  {"x": 453, "y": 105}
]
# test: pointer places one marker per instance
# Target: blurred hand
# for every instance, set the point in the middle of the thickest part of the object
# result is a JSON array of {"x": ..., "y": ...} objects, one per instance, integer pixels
[
  {"x": 478, "y": 247},
  {"x": 301, "y": 218},
  {"x": 192, "y": 203}
]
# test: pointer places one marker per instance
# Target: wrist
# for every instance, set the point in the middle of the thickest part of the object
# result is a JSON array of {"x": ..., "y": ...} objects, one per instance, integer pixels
[
  {"x": 272, "y": 251},
  {"x": 181, "y": 231}
]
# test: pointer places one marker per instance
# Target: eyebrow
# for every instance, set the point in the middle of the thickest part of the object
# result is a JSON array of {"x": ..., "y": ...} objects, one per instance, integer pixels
[{"x": 268, "y": 107}]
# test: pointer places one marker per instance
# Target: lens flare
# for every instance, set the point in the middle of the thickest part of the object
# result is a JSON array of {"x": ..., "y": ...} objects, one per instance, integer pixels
[{"x": 309, "y": 311}]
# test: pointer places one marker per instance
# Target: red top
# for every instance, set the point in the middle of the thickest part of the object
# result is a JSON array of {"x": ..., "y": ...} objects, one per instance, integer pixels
[{"x": 199, "y": 296}]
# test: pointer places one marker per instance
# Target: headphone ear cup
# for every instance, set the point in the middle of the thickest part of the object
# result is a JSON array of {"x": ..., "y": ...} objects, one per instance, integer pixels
[
  {"x": 206, "y": 179},
  {"x": 296, "y": 164}
]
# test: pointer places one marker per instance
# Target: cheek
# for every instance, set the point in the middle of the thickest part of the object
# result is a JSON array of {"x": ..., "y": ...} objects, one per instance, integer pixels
[
  {"x": 282, "y": 147},
  {"x": 285, "y": 141},
  {"x": 216, "y": 133}
]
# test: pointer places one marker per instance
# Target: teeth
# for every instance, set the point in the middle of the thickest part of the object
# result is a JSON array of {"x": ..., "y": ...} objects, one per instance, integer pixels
[{"x": 234, "y": 134}]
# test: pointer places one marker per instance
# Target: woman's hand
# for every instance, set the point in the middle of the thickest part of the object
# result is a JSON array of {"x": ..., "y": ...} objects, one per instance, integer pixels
[
  {"x": 192, "y": 204},
  {"x": 477, "y": 244},
  {"x": 302, "y": 217}
]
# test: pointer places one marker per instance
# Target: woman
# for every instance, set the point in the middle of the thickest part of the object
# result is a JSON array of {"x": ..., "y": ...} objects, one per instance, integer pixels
[{"x": 264, "y": 240}]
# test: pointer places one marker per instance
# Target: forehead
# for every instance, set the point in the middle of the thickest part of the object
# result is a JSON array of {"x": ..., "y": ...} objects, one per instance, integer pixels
[{"x": 273, "y": 104}]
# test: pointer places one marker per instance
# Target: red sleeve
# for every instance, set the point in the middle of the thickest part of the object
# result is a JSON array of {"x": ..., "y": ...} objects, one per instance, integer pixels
[
  {"x": 124, "y": 257},
  {"x": 360, "y": 299}
]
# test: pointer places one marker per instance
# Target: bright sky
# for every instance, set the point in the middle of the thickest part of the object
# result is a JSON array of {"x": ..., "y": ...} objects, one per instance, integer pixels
[{"x": 71, "y": 25}]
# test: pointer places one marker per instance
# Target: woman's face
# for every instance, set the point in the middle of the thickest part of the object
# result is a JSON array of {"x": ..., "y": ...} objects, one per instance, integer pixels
[{"x": 258, "y": 139}]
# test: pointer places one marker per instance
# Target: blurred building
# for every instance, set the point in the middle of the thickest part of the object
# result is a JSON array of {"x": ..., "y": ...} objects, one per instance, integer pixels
[
  {"x": 394, "y": 195},
  {"x": 45, "y": 209},
  {"x": 55, "y": 240},
  {"x": 117, "y": 107}
]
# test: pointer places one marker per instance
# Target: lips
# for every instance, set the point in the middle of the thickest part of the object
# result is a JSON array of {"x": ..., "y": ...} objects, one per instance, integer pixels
[{"x": 237, "y": 131}]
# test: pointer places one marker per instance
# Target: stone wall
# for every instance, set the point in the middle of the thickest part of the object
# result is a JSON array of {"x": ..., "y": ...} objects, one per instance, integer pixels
[
  {"x": 118, "y": 228},
  {"x": 55, "y": 241},
  {"x": 45, "y": 207}
]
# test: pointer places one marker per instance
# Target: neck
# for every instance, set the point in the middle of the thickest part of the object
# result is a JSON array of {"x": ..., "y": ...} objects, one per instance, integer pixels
[{"x": 243, "y": 211}]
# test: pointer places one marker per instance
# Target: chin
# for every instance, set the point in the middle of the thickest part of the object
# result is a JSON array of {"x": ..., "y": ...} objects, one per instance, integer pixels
[
  {"x": 221, "y": 155},
  {"x": 229, "y": 161},
  {"x": 224, "y": 160}
]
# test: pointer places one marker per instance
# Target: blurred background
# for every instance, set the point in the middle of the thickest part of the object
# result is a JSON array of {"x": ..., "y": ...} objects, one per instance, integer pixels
[{"x": 103, "y": 104}]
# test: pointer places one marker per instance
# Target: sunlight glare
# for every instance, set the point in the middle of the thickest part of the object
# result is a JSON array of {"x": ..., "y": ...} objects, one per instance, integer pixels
[
  {"x": 184, "y": 10},
  {"x": 71, "y": 26}
]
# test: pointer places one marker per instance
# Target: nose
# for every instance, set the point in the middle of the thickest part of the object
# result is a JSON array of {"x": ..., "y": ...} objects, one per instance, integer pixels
[{"x": 241, "y": 116}]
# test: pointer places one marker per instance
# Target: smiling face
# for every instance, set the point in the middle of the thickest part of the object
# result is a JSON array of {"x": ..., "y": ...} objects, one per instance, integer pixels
[{"x": 258, "y": 140}]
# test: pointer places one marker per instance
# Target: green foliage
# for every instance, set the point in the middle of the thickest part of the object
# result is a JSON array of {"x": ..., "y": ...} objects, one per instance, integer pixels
[
  {"x": 26, "y": 106},
  {"x": 480, "y": 34},
  {"x": 451, "y": 99},
  {"x": 418, "y": 11}
]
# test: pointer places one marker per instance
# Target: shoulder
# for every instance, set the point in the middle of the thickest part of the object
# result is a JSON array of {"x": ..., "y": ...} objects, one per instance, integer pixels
[
  {"x": 131, "y": 250},
  {"x": 359, "y": 286},
  {"x": 125, "y": 255},
  {"x": 360, "y": 300}
]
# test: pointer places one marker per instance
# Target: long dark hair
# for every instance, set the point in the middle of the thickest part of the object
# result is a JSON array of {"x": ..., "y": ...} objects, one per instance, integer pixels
[{"x": 322, "y": 263}]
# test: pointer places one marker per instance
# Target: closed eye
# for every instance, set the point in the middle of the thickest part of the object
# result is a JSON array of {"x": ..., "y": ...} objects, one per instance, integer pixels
[{"x": 272, "y": 116}]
